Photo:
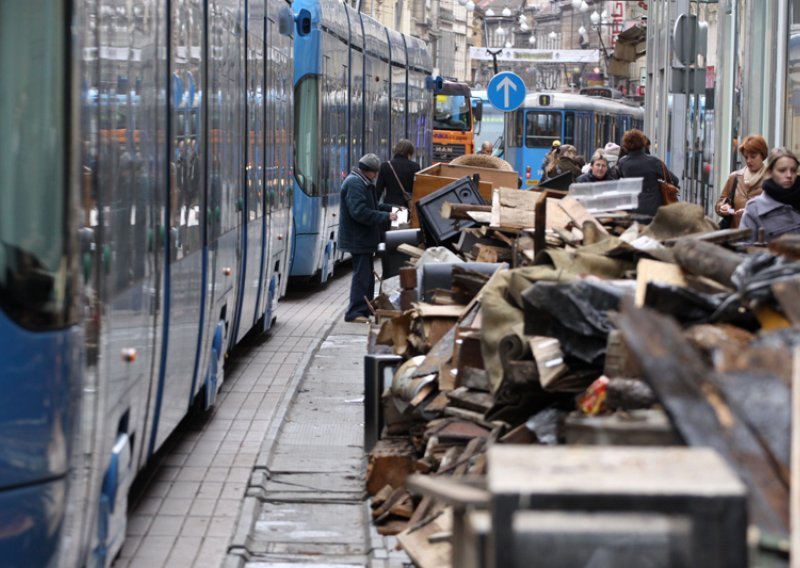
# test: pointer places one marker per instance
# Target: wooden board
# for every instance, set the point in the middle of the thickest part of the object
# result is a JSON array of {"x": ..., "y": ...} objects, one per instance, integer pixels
[
  {"x": 422, "y": 552},
  {"x": 654, "y": 271},
  {"x": 579, "y": 214}
]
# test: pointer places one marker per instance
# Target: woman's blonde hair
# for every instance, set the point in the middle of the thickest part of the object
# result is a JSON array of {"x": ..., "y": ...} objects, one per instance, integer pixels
[
  {"x": 599, "y": 154},
  {"x": 780, "y": 152}
]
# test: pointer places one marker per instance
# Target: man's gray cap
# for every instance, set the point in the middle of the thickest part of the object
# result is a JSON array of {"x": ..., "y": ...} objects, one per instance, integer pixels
[{"x": 369, "y": 163}]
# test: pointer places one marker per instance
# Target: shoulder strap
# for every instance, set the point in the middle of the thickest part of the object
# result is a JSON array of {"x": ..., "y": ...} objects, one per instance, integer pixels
[
  {"x": 732, "y": 193},
  {"x": 406, "y": 195}
]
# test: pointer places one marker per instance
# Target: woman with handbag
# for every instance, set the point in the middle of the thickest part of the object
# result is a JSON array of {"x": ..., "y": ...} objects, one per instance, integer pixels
[
  {"x": 396, "y": 177},
  {"x": 637, "y": 163},
  {"x": 744, "y": 184}
]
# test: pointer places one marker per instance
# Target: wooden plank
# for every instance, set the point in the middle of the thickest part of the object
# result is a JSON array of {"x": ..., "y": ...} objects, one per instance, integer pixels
[
  {"x": 579, "y": 214},
  {"x": 422, "y": 552},
  {"x": 549, "y": 359},
  {"x": 718, "y": 237},
  {"x": 449, "y": 490},
  {"x": 518, "y": 198},
  {"x": 654, "y": 271},
  {"x": 515, "y": 218},
  {"x": 433, "y": 311},
  {"x": 410, "y": 250},
  {"x": 476, "y": 401},
  {"x": 462, "y": 210},
  {"x": 688, "y": 390}
]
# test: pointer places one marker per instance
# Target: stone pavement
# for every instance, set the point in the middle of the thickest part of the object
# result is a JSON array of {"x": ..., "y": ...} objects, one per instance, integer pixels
[{"x": 223, "y": 485}]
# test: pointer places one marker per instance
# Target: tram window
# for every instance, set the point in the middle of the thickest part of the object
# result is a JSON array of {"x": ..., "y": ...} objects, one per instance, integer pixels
[
  {"x": 583, "y": 140},
  {"x": 34, "y": 286},
  {"x": 608, "y": 128},
  {"x": 569, "y": 128},
  {"x": 541, "y": 128},
  {"x": 306, "y": 127},
  {"x": 515, "y": 129}
]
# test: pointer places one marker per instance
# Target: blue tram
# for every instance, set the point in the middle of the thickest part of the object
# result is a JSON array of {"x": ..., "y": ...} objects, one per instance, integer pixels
[
  {"x": 585, "y": 122},
  {"x": 359, "y": 87},
  {"x": 145, "y": 222}
]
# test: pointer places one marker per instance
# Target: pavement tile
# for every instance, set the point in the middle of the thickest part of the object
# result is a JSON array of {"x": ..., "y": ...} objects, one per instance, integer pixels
[
  {"x": 195, "y": 526},
  {"x": 203, "y": 507},
  {"x": 164, "y": 525},
  {"x": 175, "y": 506}
]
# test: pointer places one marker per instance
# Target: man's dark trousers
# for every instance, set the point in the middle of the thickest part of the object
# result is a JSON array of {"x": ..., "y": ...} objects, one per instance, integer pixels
[{"x": 363, "y": 285}]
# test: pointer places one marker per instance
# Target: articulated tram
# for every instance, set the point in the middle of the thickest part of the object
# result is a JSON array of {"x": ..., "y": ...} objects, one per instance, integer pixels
[
  {"x": 145, "y": 221},
  {"x": 359, "y": 87},
  {"x": 585, "y": 122}
]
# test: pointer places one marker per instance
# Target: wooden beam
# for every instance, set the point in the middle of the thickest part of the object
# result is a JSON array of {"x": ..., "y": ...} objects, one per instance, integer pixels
[
  {"x": 461, "y": 210},
  {"x": 707, "y": 259}
]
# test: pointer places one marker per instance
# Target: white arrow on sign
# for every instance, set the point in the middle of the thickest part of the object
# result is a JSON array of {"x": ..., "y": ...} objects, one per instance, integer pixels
[{"x": 504, "y": 85}]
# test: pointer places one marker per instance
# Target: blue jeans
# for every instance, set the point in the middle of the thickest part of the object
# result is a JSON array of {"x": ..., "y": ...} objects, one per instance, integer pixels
[{"x": 361, "y": 286}]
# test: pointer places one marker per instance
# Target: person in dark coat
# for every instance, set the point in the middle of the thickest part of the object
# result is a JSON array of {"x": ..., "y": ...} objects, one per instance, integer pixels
[
  {"x": 361, "y": 219},
  {"x": 396, "y": 177},
  {"x": 568, "y": 161},
  {"x": 775, "y": 211},
  {"x": 637, "y": 163},
  {"x": 599, "y": 169}
]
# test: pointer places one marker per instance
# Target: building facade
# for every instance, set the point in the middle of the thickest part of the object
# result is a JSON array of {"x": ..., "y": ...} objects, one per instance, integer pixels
[{"x": 742, "y": 78}]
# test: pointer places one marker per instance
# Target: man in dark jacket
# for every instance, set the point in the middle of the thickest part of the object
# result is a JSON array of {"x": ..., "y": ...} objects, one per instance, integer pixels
[
  {"x": 637, "y": 163},
  {"x": 361, "y": 219},
  {"x": 396, "y": 177}
]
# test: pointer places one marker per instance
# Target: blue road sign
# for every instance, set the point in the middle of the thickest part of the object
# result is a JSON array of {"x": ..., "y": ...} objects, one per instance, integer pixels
[{"x": 506, "y": 91}]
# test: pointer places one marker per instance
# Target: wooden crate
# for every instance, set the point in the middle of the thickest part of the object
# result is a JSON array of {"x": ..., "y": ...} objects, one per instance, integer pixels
[{"x": 437, "y": 176}]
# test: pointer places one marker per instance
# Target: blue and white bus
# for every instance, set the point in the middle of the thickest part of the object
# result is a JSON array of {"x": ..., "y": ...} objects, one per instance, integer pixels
[{"x": 585, "y": 122}]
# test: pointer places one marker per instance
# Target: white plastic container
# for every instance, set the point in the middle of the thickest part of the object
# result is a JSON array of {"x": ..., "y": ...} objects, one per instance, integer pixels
[{"x": 615, "y": 195}]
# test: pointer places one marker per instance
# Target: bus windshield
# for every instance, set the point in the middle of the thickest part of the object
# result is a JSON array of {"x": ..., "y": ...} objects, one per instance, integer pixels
[{"x": 451, "y": 112}]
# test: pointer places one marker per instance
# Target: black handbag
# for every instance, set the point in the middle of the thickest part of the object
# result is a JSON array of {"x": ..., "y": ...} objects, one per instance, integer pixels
[{"x": 727, "y": 220}]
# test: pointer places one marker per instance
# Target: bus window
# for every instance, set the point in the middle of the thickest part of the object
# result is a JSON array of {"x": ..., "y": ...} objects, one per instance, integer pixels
[
  {"x": 542, "y": 128},
  {"x": 569, "y": 128}
]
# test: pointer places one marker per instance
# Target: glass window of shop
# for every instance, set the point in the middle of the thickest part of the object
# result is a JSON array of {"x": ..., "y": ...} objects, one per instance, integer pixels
[{"x": 792, "y": 124}]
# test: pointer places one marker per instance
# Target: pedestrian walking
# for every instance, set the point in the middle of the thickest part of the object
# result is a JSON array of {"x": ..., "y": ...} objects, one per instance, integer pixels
[
  {"x": 549, "y": 158},
  {"x": 396, "y": 176},
  {"x": 744, "y": 184},
  {"x": 361, "y": 219},
  {"x": 566, "y": 160},
  {"x": 777, "y": 210},
  {"x": 637, "y": 163}
]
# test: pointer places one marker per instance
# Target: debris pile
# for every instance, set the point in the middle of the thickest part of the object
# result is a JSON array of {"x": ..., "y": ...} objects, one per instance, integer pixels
[{"x": 549, "y": 324}]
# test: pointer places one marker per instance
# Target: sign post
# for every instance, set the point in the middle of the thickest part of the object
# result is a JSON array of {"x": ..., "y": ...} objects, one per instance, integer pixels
[{"x": 506, "y": 91}]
